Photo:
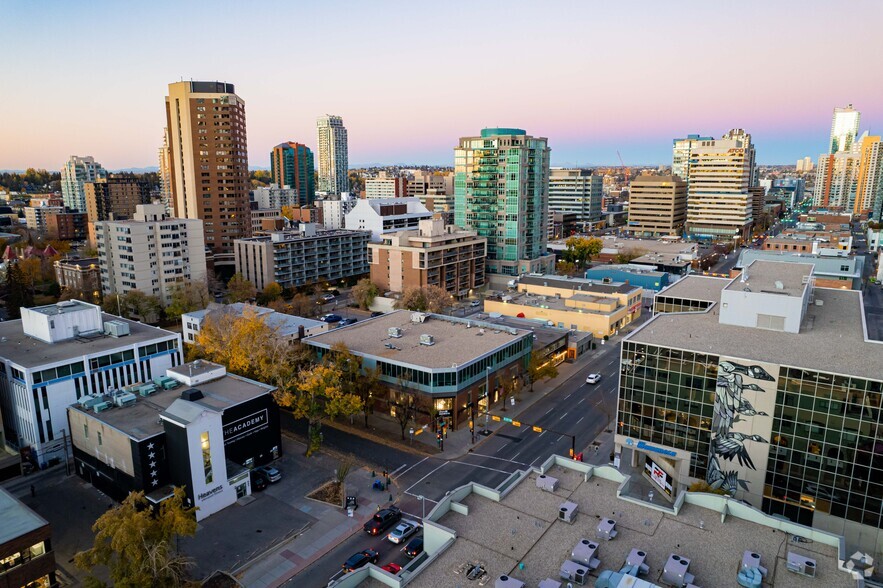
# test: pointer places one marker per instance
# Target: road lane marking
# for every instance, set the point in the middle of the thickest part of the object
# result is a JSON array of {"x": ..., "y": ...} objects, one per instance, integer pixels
[
  {"x": 412, "y": 467},
  {"x": 427, "y": 475},
  {"x": 472, "y": 465},
  {"x": 516, "y": 455},
  {"x": 495, "y": 457},
  {"x": 580, "y": 418},
  {"x": 395, "y": 471},
  {"x": 550, "y": 410},
  {"x": 562, "y": 416},
  {"x": 568, "y": 396}
]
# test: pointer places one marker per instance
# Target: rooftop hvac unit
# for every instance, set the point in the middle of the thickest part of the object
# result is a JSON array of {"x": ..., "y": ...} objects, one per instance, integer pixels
[
  {"x": 394, "y": 332},
  {"x": 574, "y": 572},
  {"x": 507, "y": 582},
  {"x": 547, "y": 483},
  {"x": 192, "y": 394},
  {"x": 147, "y": 390},
  {"x": 88, "y": 401},
  {"x": 418, "y": 317},
  {"x": 116, "y": 328},
  {"x": 567, "y": 512},
  {"x": 124, "y": 399},
  {"x": 584, "y": 553},
  {"x": 427, "y": 340},
  {"x": 102, "y": 406}
]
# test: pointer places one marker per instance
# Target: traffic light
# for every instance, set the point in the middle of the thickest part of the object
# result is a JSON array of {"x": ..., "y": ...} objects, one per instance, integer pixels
[{"x": 571, "y": 452}]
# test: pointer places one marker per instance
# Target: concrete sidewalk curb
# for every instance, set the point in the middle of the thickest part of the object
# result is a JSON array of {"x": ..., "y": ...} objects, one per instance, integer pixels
[{"x": 282, "y": 580}]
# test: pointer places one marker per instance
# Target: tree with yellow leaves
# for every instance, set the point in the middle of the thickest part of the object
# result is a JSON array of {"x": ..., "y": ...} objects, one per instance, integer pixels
[
  {"x": 317, "y": 394},
  {"x": 137, "y": 544}
]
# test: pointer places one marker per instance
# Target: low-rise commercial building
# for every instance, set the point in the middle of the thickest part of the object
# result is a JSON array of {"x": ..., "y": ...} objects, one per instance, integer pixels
[
  {"x": 80, "y": 277},
  {"x": 57, "y": 353},
  {"x": 195, "y": 427},
  {"x": 770, "y": 394},
  {"x": 386, "y": 215},
  {"x": 26, "y": 555},
  {"x": 829, "y": 271},
  {"x": 455, "y": 365},
  {"x": 434, "y": 255},
  {"x": 286, "y": 326},
  {"x": 571, "y": 303},
  {"x": 305, "y": 255},
  {"x": 650, "y": 280},
  {"x": 152, "y": 253}
]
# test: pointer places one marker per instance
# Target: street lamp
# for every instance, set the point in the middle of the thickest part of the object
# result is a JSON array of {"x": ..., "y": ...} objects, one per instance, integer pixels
[
  {"x": 422, "y": 500},
  {"x": 411, "y": 431},
  {"x": 487, "y": 391}
]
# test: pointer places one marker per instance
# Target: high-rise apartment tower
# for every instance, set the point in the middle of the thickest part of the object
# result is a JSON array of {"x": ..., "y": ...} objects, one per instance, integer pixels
[
  {"x": 292, "y": 165},
  {"x": 333, "y": 156}
]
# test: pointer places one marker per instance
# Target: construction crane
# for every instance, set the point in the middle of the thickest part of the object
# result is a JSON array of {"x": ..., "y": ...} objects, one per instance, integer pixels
[{"x": 625, "y": 170}]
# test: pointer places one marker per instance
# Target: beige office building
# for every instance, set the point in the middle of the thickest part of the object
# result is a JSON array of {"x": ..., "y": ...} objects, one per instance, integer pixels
[
  {"x": 719, "y": 204},
  {"x": 209, "y": 161},
  {"x": 151, "y": 253},
  {"x": 434, "y": 255},
  {"x": 657, "y": 206}
]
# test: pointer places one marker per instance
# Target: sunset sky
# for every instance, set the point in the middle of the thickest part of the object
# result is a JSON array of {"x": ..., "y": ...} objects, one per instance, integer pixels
[{"x": 409, "y": 78}]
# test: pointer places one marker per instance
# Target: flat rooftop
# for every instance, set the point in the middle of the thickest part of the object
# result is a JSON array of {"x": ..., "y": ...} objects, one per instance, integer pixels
[
  {"x": 17, "y": 518},
  {"x": 832, "y": 338},
  {"x": 577, "y": 284},
  {"x": 524, "y": 528},
  {"x": 695, "y": 287},
  {"x": 29, "y": 352},
  {"x": 521, "y": 298},
  {"x": 544, "y": 335},
  {"x": 284, "y": 324},
  {"x": 141, "y": 420},
  {"x": 455, "y": 341},
  {"x": 768, "y": 276}
]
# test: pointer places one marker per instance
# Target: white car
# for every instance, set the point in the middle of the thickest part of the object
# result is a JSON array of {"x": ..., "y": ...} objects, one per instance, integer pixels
[
  {"x": 593, "y": 378},
  {"x": 402, "y": 531}
]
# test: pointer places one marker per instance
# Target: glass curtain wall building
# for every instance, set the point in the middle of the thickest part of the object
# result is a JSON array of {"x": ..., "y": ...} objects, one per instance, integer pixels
[{"x": 292, "y": 165}]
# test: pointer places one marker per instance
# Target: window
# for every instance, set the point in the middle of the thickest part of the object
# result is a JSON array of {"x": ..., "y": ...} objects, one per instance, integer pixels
[
  {"x": 86, "y": 430},
  {"x": 99, "y": 438},
  {"x": 206, "y": 457}
]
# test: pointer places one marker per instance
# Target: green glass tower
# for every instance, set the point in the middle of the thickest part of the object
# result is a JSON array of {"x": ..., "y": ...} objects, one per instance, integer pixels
[
  {"x": 292, "y": 165},
  {"x": 501, "y": 190}
]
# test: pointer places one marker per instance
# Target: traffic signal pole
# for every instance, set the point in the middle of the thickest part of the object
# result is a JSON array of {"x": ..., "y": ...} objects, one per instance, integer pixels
[{"x": 537, "y": 429}]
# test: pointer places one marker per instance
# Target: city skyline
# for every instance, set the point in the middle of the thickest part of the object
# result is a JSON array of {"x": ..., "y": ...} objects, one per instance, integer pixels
[{"x": 594, "y": 84}]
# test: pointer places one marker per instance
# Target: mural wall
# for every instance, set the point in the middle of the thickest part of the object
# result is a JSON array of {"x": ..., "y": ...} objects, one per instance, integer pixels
[{"x": 745, "y": 399}]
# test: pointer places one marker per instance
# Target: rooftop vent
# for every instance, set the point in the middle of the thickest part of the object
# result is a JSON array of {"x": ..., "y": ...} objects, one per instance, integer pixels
[
  {"x": 124, "y": 399},
  {"x": 192, "y": 394},
  {"x": 418, "y": 317},
  {"x": 779, "y": 285},
  {"x": 116, "y": 328},
  {"x": 427, "y": 340},
  {"x": 395, "y": 332}
]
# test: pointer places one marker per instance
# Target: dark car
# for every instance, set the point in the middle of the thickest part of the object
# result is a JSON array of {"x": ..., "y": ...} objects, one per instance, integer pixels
[
  {"x": 376, "y": 313},
  {"x": 331, "y": 318},
  {"x": 258, "y": 481},
  {"x": 414, "y": 548},
  {"x": 383, "y": 520},
  {"x": 346, "y": 321},
  {"x": 358, "y": 560},
  {"x": 272, "y": 474}
]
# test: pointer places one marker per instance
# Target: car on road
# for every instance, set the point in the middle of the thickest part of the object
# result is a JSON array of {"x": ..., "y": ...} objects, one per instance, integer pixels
[
  {"x": 475, "y": 303},
  {"x": 414, "y": 548},
  {"x": 593, "y": 378},
  {"x": 328, "y": 297},
  {"x": 272, "y": 474},
  {"x": 402, "y": 531},
  {"x": 392, "y": 567},
  {"x": 361, "y": 559},
  {"x": 330, "y": 318},
  {"x": 376, "y": 313},
  {"x": 258, "y": 481},
  {"x": 347, "y": 321},
  {"x": 383, "y": 520}
]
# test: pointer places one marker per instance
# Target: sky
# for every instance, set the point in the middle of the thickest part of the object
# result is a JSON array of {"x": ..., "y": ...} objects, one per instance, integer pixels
[{"x": 409, "y": 77}]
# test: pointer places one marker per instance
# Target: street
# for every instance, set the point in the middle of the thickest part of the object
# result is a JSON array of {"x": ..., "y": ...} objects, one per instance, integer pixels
[{"x": 572, "y": 408}]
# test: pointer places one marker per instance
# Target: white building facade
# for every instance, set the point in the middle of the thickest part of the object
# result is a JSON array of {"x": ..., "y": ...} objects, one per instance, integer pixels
[
  {"x": 386, "y": 215},
  {"x": 333, "y": 155},
  {"x": 76, "y": 172}
]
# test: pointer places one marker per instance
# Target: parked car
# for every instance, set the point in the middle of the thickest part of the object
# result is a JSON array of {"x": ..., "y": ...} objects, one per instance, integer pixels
[
  {"x": 383, "y": 520},
  {"x": 358, "y": 560},
  {"x": 331, "y": 318},
  {"x": 475, "y": 303},
  {"x": 392, "y": 568},
  {"x": 328, "y": 297},
  {"x": 593, "y": 378},
  {"x": 272, "y": 474},
  {"x": 402, "y": 531},
  {"x": 346, "y": 321},
  {"x": 414, "y": 548},
  {"x": 376, "y": 313},
  {"x": 258, "y": 481}
]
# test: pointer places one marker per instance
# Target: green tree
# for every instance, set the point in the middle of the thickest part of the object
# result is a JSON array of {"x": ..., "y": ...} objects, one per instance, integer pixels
[
  {"x": 188, "y": 297},
  {"x": 364, "y": 293},
  {"x": 271, "y": 292},
  {"x": 629, "y": 254},
  {"x": 361, "y": 381},
  {"x": 540, "y": 368},
  {"x": 138, "y": 545},
  {"x": 317, "y": 394},
  {"x": 239, "y": 289},
  {"x": 581, "y": 250},
  {"x": 18, "y": 294},
  {"x": 135, "y": 305}
]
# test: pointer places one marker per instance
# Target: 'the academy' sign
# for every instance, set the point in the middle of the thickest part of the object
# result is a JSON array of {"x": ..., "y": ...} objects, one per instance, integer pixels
[{"x": 246, "y": 426}]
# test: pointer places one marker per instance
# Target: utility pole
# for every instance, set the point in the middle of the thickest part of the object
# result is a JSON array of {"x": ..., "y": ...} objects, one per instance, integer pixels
[{"x": 67, "y": 463}]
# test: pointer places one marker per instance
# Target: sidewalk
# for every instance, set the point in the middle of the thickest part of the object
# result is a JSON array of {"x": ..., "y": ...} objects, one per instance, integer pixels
[
  {"x": 331, "y": 527},
  {"x": 384, "y": 429}
]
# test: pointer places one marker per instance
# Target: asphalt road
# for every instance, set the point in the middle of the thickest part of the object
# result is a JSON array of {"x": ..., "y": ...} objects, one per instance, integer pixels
[{"x": 573, "y": 408}]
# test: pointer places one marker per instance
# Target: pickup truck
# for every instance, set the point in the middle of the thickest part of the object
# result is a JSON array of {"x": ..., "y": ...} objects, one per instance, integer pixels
[{"x": 383, "y": 520}]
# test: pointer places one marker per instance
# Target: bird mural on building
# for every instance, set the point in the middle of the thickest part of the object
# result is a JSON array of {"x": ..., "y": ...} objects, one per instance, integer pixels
[{"x": 731, "y": 446}]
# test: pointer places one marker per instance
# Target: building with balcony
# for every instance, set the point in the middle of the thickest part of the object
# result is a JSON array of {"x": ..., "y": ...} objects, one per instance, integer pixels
[
  {"x": 455, "y": 365},
  {"x": 77, "y": 171},
  {"x": 56, "y": 354},
  {"x": 26, "y": 555},
  {"x": 66, "y": 226},
  {"x": 434, "y": 255},
  {"x": 151, "y": 253},
  {"x": 333, "y": 152},
  {"x": 769, "y": 394},
  {"x": 292, "y": 166},
  {"x": 382, "y": 216},
  {"x": 37, "y": 216},
  {"x": 334, "y": 210},
  {"x": 501, "y": 189},
  {"x": 386, "y": 186},
  {"x": 302, "y": 256}
]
